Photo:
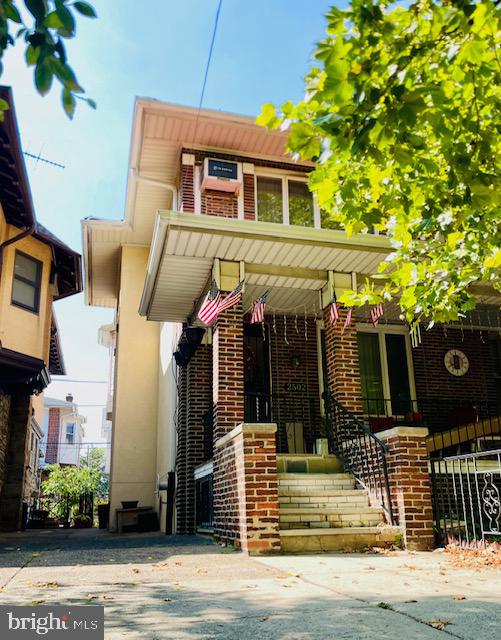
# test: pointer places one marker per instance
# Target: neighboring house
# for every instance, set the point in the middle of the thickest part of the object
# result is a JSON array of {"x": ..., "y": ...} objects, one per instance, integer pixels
[
  {"x": 36, "y": 269},
  {"x": 63, "y": 432},
  {"x": 107, "y": 339},
  {"x": 214, "y": 197}
]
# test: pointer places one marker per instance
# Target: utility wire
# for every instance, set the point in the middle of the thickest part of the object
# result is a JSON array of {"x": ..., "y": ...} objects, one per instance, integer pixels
[{"x": 63, "y": 379}]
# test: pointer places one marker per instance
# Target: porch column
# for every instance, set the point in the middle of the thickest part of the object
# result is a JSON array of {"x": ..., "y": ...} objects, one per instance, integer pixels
[
  {"x": 343, "y": 372},
  {"x": 181, "y": 451}
]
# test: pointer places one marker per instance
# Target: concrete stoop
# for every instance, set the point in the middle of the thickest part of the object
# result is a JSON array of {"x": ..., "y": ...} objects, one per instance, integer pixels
[{"x": 325, "y": 512}]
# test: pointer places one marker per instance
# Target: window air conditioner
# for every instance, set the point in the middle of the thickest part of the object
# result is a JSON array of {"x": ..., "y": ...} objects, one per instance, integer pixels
[{"x": 221, "y": 175}]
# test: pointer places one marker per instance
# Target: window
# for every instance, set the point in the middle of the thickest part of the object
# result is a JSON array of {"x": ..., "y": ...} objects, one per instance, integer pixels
[
  {"x": 269, "y": 199},
  {"x": 26, "y": 282},
  {"x": 287, "y": 200},
  {"x": 385, "y": 372},
  {"x": 70, "y": 433}
]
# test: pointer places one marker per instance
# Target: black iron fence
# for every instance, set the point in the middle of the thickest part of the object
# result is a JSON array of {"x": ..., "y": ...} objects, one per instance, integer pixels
[
  {"x": 297, "y": 417},
  {"x": 467, "y": 497},
  {"x": 204, "y": 502},
  {"x": 457, "y": 425},
  {"x": 361, "y": 452}
]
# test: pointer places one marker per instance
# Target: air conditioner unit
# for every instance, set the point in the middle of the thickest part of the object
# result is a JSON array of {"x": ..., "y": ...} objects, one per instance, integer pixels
[{"x": 221, "y": 175}]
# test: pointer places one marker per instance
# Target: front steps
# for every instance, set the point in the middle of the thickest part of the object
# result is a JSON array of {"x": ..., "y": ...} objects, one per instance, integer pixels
[{"x": 325, "y": 512}]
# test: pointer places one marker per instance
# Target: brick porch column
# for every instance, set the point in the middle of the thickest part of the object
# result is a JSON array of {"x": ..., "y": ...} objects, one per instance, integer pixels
[
  {"x": 181, "y": 451},
  {"x": 248, "y": 489},
  {"x": 409, "y": 481},
  {"x": 343, "y": 372}
]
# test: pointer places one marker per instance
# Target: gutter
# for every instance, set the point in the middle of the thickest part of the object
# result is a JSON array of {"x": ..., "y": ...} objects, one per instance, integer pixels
[{"x": 27, "y": 232}]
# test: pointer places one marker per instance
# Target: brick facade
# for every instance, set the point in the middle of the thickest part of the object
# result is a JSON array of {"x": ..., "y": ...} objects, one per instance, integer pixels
[
  {"x": 52, "y": 446},
  {"x": 249, "y": 197},
  {"x": 4, "y": 434},
  {"x": 17, "y": 458},
  {"x": 410, "y": 488},
  {"x": 182, "y": 452},
  {"x": 246, "y": 502},
  {"x": 187, "y": 189},
  {"x": 343, "y": 373},
  {"x": 219, "y": 203}
]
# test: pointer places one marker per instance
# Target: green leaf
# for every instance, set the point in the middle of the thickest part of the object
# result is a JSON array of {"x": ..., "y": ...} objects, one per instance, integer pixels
[
  {"x": 67, "y": 20},
  {"x": 268, "y": 117},
  {"x": 37, "y": 8},
  {"x": 12, "y": 13},
  {"x": 53, "y": 21},
  {"x": 32, "y": 54},
  {"x": 69, "y": 103},
  {"x": 92, "y": 103},
  {"x": 493, "y": 261},
  {"x": 85, "y": 9},
  {"x": 43, "y": 77}
]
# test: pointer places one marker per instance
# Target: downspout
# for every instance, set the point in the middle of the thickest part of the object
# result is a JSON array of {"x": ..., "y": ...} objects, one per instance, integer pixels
[
  {"x": 156, "y": 183},
  {"x": 27, "y": 232}
]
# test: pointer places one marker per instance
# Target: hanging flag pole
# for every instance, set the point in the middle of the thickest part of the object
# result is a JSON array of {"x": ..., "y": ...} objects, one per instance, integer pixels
[
  {"x": 376, "y": 313},
  {"x": 348, "y": 320},
  {"x": 258, "y": 308},
  {"x": 209, "y": 309}
]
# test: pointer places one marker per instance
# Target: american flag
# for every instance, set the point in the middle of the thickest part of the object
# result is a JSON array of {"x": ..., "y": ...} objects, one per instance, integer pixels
[
  {"x": 347, "y": 322},
  {"x": 210, "y": 306},
  {"x": 334, "y": 312},
  {"x": 376, "y": 313},
  {"x": 258, "y": 308},
  {"x": 232, "y": 298}
]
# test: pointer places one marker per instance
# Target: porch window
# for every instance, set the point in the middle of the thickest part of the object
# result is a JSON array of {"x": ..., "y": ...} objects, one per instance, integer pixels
[
  {"x": 301, "y": 211},
  {"x": 269, "y": 199},
  {"x": 26, "y": 283},
  {"x": 385, "y": 372}
]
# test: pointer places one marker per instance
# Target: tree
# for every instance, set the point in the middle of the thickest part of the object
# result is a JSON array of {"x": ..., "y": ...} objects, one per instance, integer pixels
[
  {"x": 67, "y": 484},
  {"x": 402, "y": 115},
  {"x": 95, "y": 458},
  {"x": 48, "y": 24}
]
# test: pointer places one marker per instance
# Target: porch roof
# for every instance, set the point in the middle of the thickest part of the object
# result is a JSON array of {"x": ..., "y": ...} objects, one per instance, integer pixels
[{"x": 293, "y": 261}]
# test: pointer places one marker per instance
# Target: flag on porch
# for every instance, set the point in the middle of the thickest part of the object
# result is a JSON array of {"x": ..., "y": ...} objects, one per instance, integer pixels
[
  {"x": 232, "y": 298},
  {"x": 347, "y": 322},
  {"x": 376, "y": 313},
  {"x": 415, "y": 333},
  {"x": 258, "y": 308},
  {"x": 334, "y": 311},
  {"x": 210, "y": 306}
]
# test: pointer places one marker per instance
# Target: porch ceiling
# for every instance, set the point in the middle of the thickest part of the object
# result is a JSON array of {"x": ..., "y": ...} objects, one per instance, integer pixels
[{"x": 292, "y": 261}]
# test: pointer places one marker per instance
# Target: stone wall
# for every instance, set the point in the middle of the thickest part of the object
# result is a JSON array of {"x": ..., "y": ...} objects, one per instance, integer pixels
[{"x": 4, "y": 433}]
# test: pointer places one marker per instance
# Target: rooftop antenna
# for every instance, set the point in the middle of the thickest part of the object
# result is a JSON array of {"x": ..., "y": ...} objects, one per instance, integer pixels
[{"x": 39, "y": 158}]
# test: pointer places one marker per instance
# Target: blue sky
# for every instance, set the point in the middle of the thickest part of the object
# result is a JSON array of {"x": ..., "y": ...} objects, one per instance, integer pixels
[{"x": 156, "y": 49}]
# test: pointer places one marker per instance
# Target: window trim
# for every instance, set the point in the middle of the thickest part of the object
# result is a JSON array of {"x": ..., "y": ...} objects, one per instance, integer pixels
[
  {"x": 285, "y": 178},
  {"x": 37, "y": 284},
  {"x": 382, "y": 330}
]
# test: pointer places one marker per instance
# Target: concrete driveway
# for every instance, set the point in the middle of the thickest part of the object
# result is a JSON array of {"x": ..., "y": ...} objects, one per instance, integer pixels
[{"x": 180, "y": 588}]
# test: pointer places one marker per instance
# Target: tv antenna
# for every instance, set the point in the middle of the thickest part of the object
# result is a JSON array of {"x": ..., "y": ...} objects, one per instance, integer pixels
[{"x": 39, "y": 158}]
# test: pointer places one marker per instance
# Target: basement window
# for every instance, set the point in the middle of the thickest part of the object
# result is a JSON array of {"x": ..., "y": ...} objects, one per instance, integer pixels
[{"x": 27, "y": 282}]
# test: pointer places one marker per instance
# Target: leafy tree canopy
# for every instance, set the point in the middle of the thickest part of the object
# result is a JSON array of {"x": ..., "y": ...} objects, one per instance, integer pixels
[
  {"x": 402, "y": 115},
  {"x": 69, "y": 483},
  {"x": 44, "y": 25}
]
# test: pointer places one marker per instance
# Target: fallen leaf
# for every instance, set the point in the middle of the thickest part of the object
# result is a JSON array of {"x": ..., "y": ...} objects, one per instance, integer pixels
[
  {"x": 459, "y": 597},
  {"x": 135, "y": 570},
  {"x": 35, "y": 554},
  {"x": 36, "y": 602},
  {"x": 438, "y": 624},
  {"x": 385, "y": 605},
  {"x": 107, "y": 597},
  {"x": 167, "y": 599},
  {"x": 409, "y": 601},
  {"x": 264, "y": 618}
]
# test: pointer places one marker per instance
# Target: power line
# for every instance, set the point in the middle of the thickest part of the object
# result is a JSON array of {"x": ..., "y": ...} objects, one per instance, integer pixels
[{"x": 63, "y": 379}]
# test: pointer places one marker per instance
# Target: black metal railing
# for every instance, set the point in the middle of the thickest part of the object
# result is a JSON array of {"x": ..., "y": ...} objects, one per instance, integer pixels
[
  {"x": 204, "y": 502},
  {"x": 457, "y": 425},
  {"x": 361, "y": 452},
  {"x": 467, "y": 498},
  {"x": 297, "y": 417}
]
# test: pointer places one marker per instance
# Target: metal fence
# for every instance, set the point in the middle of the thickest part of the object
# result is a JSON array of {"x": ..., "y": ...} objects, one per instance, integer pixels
[{"x": 466, "y": 497}]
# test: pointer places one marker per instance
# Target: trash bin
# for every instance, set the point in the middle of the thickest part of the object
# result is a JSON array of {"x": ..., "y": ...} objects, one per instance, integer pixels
[{"x": 103, "y": 515}]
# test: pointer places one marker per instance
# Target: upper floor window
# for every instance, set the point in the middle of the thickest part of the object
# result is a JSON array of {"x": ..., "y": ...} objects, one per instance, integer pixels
[
  {"x": 286, "y": 200},
  {"x": 70, "y": 433},
  {"x": 27, "y": 282}
]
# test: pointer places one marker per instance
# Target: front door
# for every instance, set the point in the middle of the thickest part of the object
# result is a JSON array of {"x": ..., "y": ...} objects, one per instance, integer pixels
[{"x": 257, "y": 373}]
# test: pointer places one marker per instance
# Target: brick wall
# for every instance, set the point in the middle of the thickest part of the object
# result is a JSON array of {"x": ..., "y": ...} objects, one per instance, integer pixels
[
  {"x": 409, "y": 481},
  {"x": 249, "y": 197},
  {"x": 4, "y": 433},
  {"x": 438, "y": 392},
  {"x": 246, "y": 503},
  {"x": 181, "y": 451},
  {"x": 187, "y": 190},
  {"x": 52, "y": 447},
  {"x": 343, "y": 371},
  {"x": 219, "y": 203},
  {"x": 199, "y": 390},
  {"x": 11, "y": 499}
]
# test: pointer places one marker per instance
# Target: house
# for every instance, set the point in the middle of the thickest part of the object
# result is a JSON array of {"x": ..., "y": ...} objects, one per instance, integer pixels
[
  {"x": 302, "y": 432},
  {"x": 63, "y": 431},
  {"x": 36, "y": 270}
]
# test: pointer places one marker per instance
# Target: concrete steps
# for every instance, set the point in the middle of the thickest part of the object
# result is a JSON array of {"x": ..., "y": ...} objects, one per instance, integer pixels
[{"x": 325, "y": 512}]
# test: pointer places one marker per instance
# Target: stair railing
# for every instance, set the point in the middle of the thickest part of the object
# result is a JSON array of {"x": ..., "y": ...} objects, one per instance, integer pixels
[{"x": 362, "y": 453}]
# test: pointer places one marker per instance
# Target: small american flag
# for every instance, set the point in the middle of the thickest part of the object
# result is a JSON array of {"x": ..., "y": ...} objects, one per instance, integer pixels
[
  {"x": 232, "y": 298},
  {"x": 376, "y": 313},
  {"x": 258, "y": 308},
  {"x": 334, "y": 312},
  {"x": 347, "y": 322},
  {"x": 210, "y": 306}
]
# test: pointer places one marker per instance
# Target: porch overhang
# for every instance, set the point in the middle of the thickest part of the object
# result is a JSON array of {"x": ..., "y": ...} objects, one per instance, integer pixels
[{"x": 294, "y": 261}]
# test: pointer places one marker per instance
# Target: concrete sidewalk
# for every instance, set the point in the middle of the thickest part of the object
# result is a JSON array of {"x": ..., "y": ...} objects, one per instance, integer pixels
[{"x": 184, "y": 588}]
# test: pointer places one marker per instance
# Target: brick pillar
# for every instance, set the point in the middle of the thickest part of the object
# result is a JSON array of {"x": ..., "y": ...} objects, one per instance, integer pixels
[
  {"x": 187, "y": 190},
  {"x": 181, "y": 450},
  {"x": 409, "y": 481},
  {"x": 228, "y": 371},
  {"x": 52, "y": 446},
  {"x": 343, "y": 373},
  {"x": 4, "y": 434},
  {"x": 199, "y": 401},
  {"x": 11, "y": 499},
  {"x": 247, "y": 495}
]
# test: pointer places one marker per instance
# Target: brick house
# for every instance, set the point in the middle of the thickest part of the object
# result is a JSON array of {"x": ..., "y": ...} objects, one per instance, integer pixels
[
  {"x": 63, "y": 430},
  {"x": 293, "y": 433},
  {"x": 36, "y": 270}
]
